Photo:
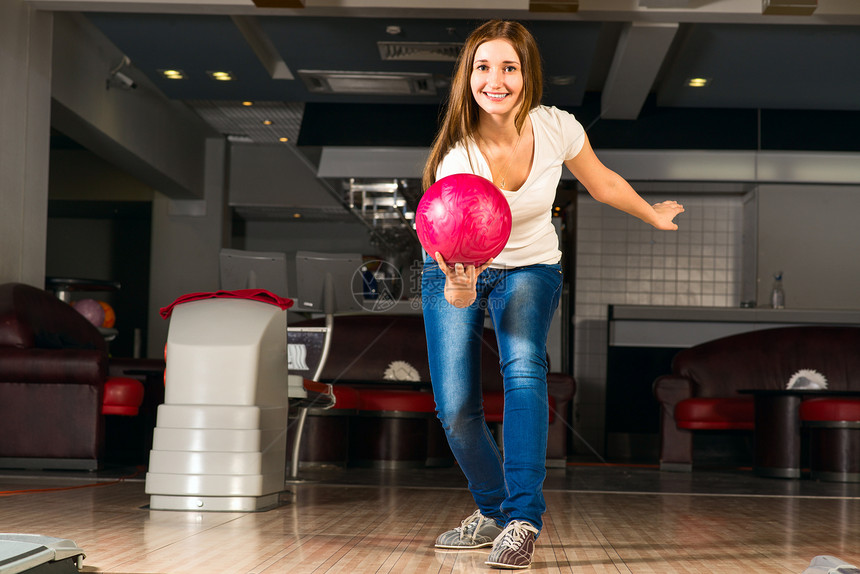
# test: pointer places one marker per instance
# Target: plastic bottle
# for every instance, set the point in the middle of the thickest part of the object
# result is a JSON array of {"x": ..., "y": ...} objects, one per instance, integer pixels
[{"x": 777, "y": 295}]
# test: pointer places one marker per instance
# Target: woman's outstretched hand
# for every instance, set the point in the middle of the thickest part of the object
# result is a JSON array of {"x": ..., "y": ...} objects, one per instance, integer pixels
[
  {"x": 666, "y": 212},
  {"x": 460, "y": 281}
]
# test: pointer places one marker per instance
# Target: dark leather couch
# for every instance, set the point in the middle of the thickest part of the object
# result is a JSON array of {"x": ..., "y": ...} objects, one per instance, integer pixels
[
  {"x": 54, "y": 367},
  {"x": 365, "y": 347},
  {"x": 701, "y": 394}
]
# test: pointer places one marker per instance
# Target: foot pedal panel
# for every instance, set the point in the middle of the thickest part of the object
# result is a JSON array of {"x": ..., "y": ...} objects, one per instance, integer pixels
[{"x": 35, "y": 554}]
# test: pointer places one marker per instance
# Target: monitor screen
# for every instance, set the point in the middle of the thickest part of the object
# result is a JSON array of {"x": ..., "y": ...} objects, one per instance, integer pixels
[
  {"x": 253, "y": 270},
  {"x": 338, "y": 273}
]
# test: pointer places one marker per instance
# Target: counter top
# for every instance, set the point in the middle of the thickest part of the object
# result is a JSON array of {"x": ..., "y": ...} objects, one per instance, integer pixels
[
  {"x": 664, "y": 326},
  {"x": 733, "y": 314}
]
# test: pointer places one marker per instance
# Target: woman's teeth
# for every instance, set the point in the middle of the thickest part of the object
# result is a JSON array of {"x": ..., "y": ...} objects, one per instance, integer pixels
[{"x": 495, "y": 96}]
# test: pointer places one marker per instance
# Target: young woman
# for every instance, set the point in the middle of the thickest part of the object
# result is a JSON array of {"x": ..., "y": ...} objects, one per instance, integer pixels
[{"x": 495, "y": 127}]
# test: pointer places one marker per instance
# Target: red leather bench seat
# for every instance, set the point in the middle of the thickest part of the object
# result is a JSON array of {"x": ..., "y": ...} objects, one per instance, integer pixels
[
  {"x": 395, "y": 428},
  {"x": 724, "y": 413},
  {"x": 374, "y": 351},
  {"x": 763, "y": 358},
  {"x": 345, "y": 398},
  {"x": 396, "y": 401},
  {"x": 830, "y": 410},
  {"x": 123, "y": 396}
]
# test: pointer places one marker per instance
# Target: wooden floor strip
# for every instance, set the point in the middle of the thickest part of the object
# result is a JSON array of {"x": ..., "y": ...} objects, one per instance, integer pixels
[{"x": 334, "y": 529}]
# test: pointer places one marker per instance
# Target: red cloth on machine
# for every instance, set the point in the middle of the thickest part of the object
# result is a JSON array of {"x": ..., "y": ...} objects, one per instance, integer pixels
[{"x": 254, "y": 294}]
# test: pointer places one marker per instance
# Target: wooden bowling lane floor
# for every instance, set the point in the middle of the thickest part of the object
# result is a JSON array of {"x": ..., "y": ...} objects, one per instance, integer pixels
[{"x": 390, "y": 526}]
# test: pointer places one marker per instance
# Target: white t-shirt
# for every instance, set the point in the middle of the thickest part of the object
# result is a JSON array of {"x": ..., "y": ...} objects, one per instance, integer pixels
[{"x": 558, "y": 137}]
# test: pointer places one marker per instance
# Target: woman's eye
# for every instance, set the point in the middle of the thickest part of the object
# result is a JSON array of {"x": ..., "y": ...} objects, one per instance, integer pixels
[
  {"x": 481, "y": 67},
  {"x": 510, "y": 68}
]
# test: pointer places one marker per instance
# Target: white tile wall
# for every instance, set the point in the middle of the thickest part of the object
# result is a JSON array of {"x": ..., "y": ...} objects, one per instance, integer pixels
[{"x": 621, "y": 260}]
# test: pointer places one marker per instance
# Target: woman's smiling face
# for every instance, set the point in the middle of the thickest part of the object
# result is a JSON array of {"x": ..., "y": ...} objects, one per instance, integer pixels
[{"x": 497, "y": 78}]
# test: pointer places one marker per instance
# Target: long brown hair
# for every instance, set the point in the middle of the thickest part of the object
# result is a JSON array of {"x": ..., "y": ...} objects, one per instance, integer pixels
[{"x": 461, "y": 115}]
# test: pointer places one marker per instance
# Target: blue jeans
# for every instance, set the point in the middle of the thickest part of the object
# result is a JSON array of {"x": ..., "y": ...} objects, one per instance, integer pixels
[{"x": 521, "y": 302}]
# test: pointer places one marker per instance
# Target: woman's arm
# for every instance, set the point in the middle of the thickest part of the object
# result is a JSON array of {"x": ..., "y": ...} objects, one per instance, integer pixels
[{"x": 608, "y": 187}]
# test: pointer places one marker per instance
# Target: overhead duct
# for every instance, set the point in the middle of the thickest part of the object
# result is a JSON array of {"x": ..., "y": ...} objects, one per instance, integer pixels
[
  {"x": 420, "y": 51},
  {"x": 788, "y": 7},
  {"x": 395, "y": 83},
  {"x": 276, "y": 182}
]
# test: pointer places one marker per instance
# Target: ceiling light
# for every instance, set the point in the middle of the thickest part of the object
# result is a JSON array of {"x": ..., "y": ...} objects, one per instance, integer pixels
[
  {"x": 283, "y": 140},
  {"x": 247, "y": 103},
  {"x": 221, "y": 76},
  {"x": 172, "y": 74},
  {"x": 698, "y": 82},
  {"x": 564, "y": 80},
  {"x": 267, "y": 122}
]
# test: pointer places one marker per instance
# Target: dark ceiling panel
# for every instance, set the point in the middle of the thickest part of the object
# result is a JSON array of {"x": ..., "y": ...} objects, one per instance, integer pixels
[
  {"x": 350, "y": 43},
  {"x": 755, "y": 66},
  {"x": 198, "y": 43},
  {"x": 415, "y": 126},
  {"x": 752, "y": 66},
  {"x": 369, "y": 125},
  {"x": 797, "y": 130},
  {"x": 195, "y": 44}
]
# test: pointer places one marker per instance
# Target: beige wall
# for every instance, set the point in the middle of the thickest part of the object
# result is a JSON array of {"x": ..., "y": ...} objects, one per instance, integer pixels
[
  {"x": 812, "y": 235},
  {"x": 25, "y": 100}
]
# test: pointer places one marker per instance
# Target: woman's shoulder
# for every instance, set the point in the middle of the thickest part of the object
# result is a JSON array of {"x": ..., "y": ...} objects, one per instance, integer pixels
[
  {"x": 458, "y": 152},
  {"x": 561, "y": 127},
  {"x": 551, "y": 114},
  {"x": 458, "y": 159}
]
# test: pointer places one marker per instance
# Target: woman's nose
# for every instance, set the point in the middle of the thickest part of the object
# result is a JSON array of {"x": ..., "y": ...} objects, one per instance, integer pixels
[{"x": 495, "y": 77}]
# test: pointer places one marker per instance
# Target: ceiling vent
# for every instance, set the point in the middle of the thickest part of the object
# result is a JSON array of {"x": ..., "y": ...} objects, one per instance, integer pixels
[
  {"x": 789, "y": 7},
  {"x": 396, "y": 83},
  {"x": 420, "y": 51}
]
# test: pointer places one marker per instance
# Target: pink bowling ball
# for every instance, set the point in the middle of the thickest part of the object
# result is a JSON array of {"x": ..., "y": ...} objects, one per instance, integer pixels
[
  {"x": 465, "y": 218},
  {"x": 91, "y": 310}
]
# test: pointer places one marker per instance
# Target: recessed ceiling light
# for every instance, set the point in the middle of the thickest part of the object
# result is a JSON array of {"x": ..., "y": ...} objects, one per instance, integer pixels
[
  {"x": 221, "y": 76},
  {"x": 698, "y": 82},
  {"x": 267, "y": 122},
  {"x": 247, "y": 103},
  {"x": 283, "y": 140},
  {"x": 564, "y": 80},
  {"x": 297, "y": 215},
  {"x": 172, "y": 74}
]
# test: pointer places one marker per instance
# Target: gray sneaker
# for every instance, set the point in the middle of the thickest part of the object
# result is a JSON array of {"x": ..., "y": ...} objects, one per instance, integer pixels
[
  {"x": 476, "y": 531},
  {"x": 514, "y": 547}
]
